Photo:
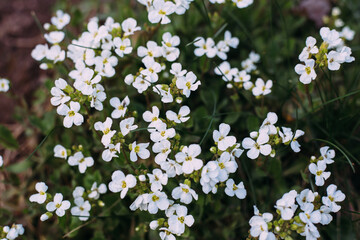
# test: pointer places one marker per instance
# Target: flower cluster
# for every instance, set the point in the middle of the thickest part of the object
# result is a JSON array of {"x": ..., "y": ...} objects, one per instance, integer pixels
[
  {"x": 159, "y": 10},
  {"x": 94, "y": 59},
  {"x": 237, "y": 3},
  {"x": 11, "y": 233},
  {"x": 331, "y": 54},
  {"x": 299, "y": 212},
  {"x": 211, "y": 49},
  {"x": 175, "y": 169},
  {"x": 241, "y": 78},
  {"x": 269, "y": 136},
  {"x": 154, "y": 58}
]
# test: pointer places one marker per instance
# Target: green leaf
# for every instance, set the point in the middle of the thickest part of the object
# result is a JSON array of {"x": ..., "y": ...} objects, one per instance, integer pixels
[
  {"x": 7, "y": 140},
  {"x": 19, "y": 167}
]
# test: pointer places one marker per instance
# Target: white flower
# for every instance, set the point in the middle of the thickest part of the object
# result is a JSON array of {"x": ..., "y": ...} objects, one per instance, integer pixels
[
  {"x": 176, "y": 70},
  {"x": 58, "y": 205},
  {"x": 205, "y": 47},
  {"x": 305, "y": 197},
  {"x": 178, "y": 221},
  {"x": 60, "y": 151},
  {"x": 97, "y": 97},
  {"x": 346, "y": 53},
  {"x": 55, "y": 54},
  {"x": 54, "y": 37},
  {"x": 40, "y": 197},
  {"x": 81, "y": 161},
  {"x": 326, "y": 217},
  {"x": 187, "y": 83},
  {"x": 140, "y": 202},
  {"x": 152, "y": 50},
  {"x": 184, "y": 193},
  {"x": 78, "y": 192},
  {"x": 95, "y": 33},
  {"x": 221, "y": 137},
  {"x": 112, "y": 151},
  {"x": 306, "y": 72},
  {"x": 157, "y": 179},
  {"x": 180, "y": 117},
  {"x": 4, "y": 85},
  {"x": 71, "y": 114},
  {"x": 105, "y": 63},
  {"x": 120, "y": 107},
  {"x": 122, "y": 47},
  {"x": 59, "y": 97},
  {"x": 286, "y": 205},
  {"x": 141, "y": 83},
  {"x": 163, "y": 148},
  {"x": 262, "y": 88},
  {"x": 259, "y": 146},
  {"x": 1, "y": 161},
  {"x": 171, "y": 167},
  {"x": 151, "y": 70},
  {"x": 165, "y": 234},
  {"x": 242, "y": 77},
  {"x": 157, "y": 200},
  {"x": 347, "y": 33},
  {"x": 230, "y": 41},
  {"x": 188, "y": 158},
  {"x": 127, "y": 125},
  {"x": 310, "y": 232},
  {"x": 318, "y": 170},
  {"x": 226, "y": 166},
  {"x": 225, "y": 70},
  {"x": 60, "y": 20},
  {"x": 333, "y": 196},
  {"x": 13, "y": 232},
  {"x": 105, "y": 127},
  {"x": 309, "y": 216},
  {"x": 121, "y": 183},
  {"x": 269, "y": 123},
  {"x": 233, "y": 189},
  {"x": 327, "y": 154},
  {"x": 97, "y": 190},
  {"x": 259, "y": 226},
  {"x": 330, "y": 37},
  {"x": 334, "y": 59},
  {"x": 164, "y": 91},
  {"x": 39, "y": 52},
  {"x": 139, "y": 150},
  {"x": 159, "y": 11},
  {"x": 162, "y": 133},
  {"x": 128, "y": 26},
  {"x": 288, "y": 137},
  {"x": 243, "y": 3},
  {"x": 310, "y": 48},
  {"x": 82, "y": 209},
  {"x": 152, "y": 117},
  {"x": 86, "y": 82}
]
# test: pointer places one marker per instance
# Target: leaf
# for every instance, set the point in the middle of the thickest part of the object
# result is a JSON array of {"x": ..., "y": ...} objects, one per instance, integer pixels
[
  {"x": 7, "y": 140},
  {"x": 19, "y": 167}
]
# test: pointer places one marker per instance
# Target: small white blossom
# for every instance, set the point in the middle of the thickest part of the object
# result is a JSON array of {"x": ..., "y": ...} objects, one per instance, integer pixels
[{"x": 58, "y": 205}]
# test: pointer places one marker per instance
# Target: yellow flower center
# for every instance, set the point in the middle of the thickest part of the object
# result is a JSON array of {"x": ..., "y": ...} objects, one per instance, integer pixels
[
  {"x": 185, "y": 190},
  {"x": 71, "y": 113},
  {"x": 137, "y": 149},
  {"x": 308, "y": 70},
  {"x": 106, "y": 131},
  {"x": 155, "y": 198}
]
